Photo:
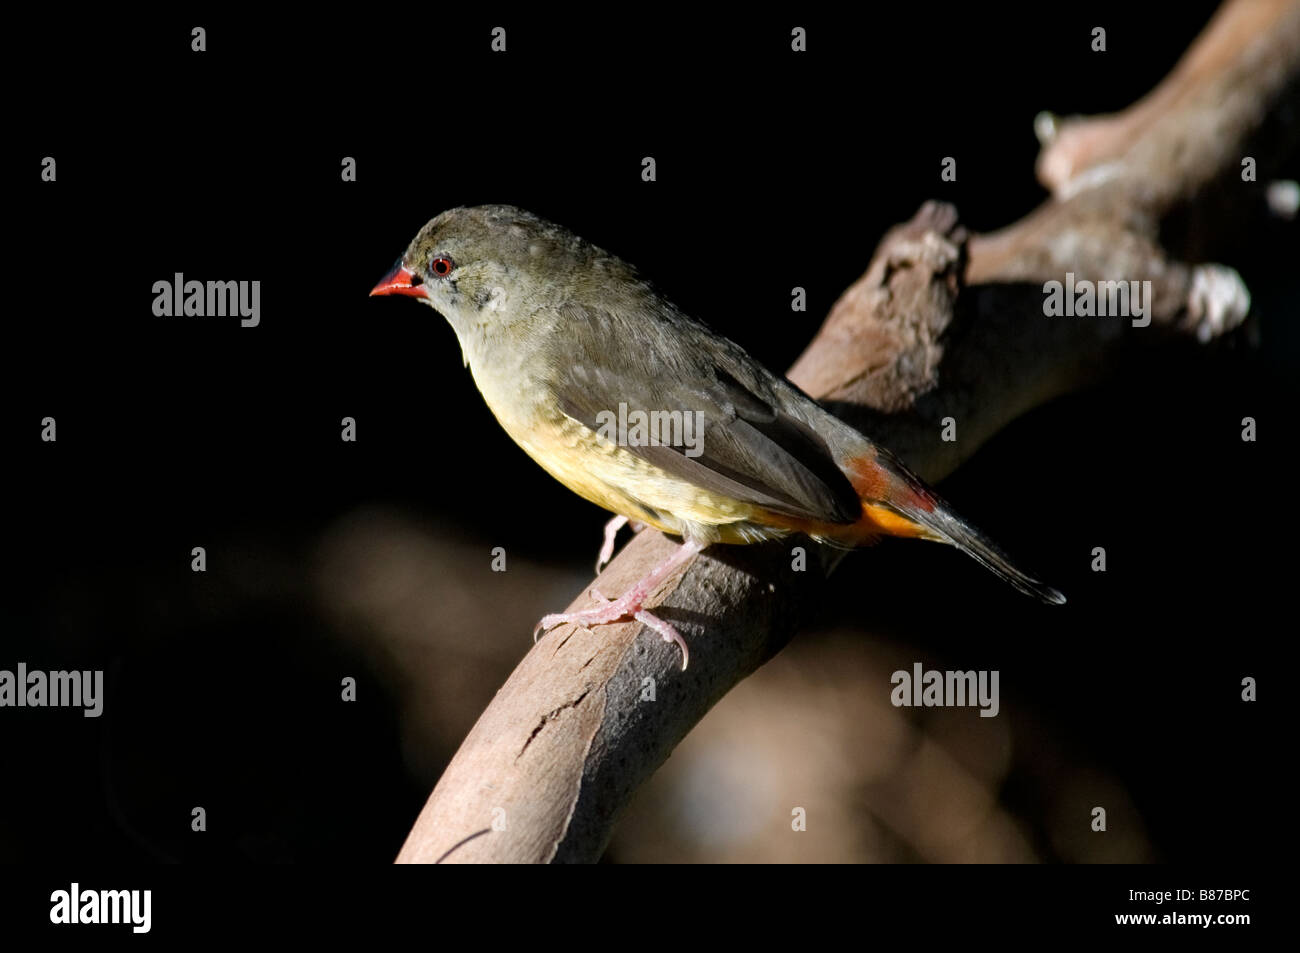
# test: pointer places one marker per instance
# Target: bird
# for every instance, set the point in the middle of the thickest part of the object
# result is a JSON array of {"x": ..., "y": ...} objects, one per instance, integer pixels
[{"x": 647, "y": 412}]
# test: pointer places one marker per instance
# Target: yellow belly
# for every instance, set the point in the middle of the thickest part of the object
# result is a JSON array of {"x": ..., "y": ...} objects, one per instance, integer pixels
[{"x": 611, "y": 476}]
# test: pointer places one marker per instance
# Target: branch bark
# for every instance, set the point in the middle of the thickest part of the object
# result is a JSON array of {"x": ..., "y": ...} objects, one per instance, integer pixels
[{"x": 941, "y": 324}]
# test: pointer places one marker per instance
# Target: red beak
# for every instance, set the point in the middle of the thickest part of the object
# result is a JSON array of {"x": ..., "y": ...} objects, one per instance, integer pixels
[{"x": 400, "y": 281}]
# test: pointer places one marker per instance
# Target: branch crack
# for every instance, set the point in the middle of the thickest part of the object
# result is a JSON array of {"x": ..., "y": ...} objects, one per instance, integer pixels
[{"x": 549, "y": 717}]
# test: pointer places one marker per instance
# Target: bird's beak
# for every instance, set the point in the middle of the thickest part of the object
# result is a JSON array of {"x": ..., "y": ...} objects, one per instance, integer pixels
[{"x": 400, "y": 281}]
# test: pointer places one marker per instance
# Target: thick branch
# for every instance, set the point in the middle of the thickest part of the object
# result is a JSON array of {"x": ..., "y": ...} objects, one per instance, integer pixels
[{"x": 938, "y": 326}]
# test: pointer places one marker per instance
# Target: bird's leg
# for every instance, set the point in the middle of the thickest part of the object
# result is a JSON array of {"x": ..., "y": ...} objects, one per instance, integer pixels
[
  {"x": 631, "y": 602},
  {"x": 611, "y": 533}
]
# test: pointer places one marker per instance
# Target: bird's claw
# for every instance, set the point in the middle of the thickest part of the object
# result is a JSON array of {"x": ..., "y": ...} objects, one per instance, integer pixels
[
  {"x": 605, "y": 612},
  {"x": 667, "y": 631}
]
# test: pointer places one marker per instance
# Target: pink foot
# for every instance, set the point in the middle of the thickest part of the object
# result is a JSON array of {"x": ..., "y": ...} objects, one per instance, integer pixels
[{"x": 630, "y": 603}]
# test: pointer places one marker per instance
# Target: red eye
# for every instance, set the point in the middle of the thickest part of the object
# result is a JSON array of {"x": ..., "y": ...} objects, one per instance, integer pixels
[{"x": 442, "y": 266}]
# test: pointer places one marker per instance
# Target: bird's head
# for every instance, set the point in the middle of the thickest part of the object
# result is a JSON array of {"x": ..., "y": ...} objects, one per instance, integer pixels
[{"x": 488, "y": 267}]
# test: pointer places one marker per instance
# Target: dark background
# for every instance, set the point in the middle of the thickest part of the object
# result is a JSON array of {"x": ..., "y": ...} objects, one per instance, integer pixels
[{"x": 774, "y": 170}]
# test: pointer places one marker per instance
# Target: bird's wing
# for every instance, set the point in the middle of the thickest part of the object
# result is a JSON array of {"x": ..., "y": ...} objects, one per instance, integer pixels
[{"x": 750, "y": 449}]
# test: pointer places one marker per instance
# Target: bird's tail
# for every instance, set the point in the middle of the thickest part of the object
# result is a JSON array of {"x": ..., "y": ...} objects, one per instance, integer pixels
[{"x": 897, "y": 503}]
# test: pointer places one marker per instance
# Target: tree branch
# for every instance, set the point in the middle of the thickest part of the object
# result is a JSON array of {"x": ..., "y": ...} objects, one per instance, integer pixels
[{"x": 941, "y": 324}]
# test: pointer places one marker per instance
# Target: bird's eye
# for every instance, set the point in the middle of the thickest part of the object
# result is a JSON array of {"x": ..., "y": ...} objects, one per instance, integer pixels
[{"x": 442, "y": 266}]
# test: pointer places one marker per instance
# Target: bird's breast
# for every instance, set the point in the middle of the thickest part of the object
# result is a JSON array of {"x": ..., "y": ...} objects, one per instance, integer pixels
[{"x": 609, "y": 475}]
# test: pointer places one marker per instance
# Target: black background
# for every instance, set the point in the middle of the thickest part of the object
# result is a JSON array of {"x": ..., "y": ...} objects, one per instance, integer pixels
[{"x": 773, "y": 170}]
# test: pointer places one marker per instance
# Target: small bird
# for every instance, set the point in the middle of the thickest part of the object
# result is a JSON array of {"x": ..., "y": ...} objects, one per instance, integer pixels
[{"x": 645, "y": 411}]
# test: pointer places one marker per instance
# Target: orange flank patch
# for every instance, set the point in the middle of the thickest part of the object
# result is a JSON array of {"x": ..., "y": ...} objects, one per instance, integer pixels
[
  {"x": 869, "y": 478},
  {"x": 876, "y": 521},
  {"x": 890, "y": 522},
  {"x": 880, "y": 490},
  {"x": 876, "y": 482}
]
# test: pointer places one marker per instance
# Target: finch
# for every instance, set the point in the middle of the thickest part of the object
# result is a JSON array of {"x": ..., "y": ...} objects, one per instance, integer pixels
[{"x": 645, "y": 411}]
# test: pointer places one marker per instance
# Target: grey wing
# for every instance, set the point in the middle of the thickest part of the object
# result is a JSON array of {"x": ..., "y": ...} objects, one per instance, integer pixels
[{"x": 751, "y": 449}]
